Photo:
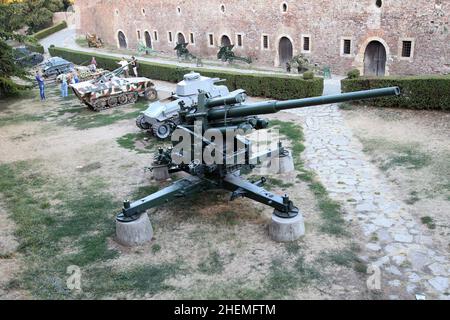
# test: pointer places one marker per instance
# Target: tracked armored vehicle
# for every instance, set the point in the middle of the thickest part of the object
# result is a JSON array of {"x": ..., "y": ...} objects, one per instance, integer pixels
[
  {"x": 55, "y": 66},
  {"x": 161, "y": 117},
  {"x": 109, "y": 90}
]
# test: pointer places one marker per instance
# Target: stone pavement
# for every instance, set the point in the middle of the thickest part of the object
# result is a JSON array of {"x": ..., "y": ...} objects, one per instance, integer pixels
[{"x": 396, "y": 242}]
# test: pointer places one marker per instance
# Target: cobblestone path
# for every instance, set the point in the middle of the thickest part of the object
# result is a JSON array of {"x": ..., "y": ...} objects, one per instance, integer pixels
[{"x": 396, "y": 242}]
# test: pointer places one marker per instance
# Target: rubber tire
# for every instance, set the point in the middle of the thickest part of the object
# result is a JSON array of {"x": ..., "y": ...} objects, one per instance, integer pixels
[
  {"x": 151, "y": 94},
  {"x": 165, "y": 134}
]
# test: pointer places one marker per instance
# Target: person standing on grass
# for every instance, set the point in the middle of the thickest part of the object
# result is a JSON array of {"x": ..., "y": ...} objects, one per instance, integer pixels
[
  {"x": 124, "y": 63},
  {"x": 93, "y": 65},
  {"x": 134, "y": 66},
  {"x": 41, "y": 84},
  {"x": 64, "y": 86}
]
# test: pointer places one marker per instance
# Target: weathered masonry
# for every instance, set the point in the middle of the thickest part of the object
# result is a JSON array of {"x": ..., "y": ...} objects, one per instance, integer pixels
[{"x": 379, "y": 37}]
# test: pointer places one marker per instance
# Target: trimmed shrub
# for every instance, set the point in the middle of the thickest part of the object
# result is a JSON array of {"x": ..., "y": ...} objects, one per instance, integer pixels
[
  {"x": 35, "y": 47},
  {"x": 9, "y": 88},
  {"x": 270, "y": 86},
  {"x": 46, "y": 32},
  {"x": 420, "y": 92},
  {"x": 308, "y": 75},
  {"x": 353, "y": 74}
]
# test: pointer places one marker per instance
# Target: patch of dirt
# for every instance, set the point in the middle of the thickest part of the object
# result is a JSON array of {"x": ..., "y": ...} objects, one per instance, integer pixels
[
  {"x": 9, "y": 258},
  {"x": 426, "y": 190},
  {"x": 187, "y": 233}
]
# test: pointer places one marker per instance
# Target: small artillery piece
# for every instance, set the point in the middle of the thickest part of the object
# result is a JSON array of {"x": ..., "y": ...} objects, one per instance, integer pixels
[
  {"x": 93, "y": 41},
  {"x": 143, "y": 49},
  {"x": 183, "y": 52},
  {"x": 201, "y": 128},
  {"x": 301, "y": 63},
  {"x": 226, "y": 54}
]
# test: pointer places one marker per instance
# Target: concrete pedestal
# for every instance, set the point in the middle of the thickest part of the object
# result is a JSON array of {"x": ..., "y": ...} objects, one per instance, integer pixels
[
  {"x": 160, "y": 172},
  {"x": 134, "y": 233},
  {"x": 282, "y": 164},
  {"x": 286, "y": 229}
]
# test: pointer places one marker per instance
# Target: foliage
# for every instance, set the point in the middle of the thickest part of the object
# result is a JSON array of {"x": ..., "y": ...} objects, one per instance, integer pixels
[
  {"x": 11, "y": 17},
  {"x": 8, "y": 68},
  {"x": 418, "y": 92},
  {"x": 353, "y": 74},
  {"x": 38, "y": 14},
  {"x": 46, "y": 32},
  {"x": 309, "y": 75},
  {"x": 271, "y": 86}
]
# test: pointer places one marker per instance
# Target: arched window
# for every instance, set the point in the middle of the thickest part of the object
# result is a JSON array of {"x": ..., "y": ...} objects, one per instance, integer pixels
[
  {"x": 225, "y": 41},
  {"x": 122, "y": 40}
]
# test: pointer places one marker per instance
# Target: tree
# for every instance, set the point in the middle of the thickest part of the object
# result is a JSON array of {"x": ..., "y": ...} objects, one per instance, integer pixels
[
  {"x": 38, "y": 14},
  {"x": 11, "y": 17}
]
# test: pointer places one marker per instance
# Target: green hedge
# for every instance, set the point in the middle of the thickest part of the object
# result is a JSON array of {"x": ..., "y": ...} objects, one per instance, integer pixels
[
  {"x": 271, "y": 86},
  {"x": 420, "y": 92},
  {"x": 46, "y": 32},
  {"x": 35, "y": 47}
]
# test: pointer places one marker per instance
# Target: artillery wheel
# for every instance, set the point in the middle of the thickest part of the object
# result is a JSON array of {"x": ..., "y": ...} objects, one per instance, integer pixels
[
  {"x": 112, "y": 102},
  {"x": 122, "y": 99},
  {"x": 163, "y": 131},
  {"x": 151, "y": 94},
  {"x": 132, "y": 97}
]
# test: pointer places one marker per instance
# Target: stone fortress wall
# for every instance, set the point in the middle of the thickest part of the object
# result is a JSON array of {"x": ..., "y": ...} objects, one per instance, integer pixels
[{"x": 391, "y": 37}]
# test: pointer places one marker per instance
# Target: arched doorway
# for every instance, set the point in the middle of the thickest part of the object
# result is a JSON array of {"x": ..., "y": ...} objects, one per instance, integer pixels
[
  {"x": 122, "y": 40},
  {"x": 285, "y": 51},
  {"x": 180, "y": 38},
  {"x": 225, "y": 41},
  {"x": 375, "y": 59},
  {"x": 148, "y": 39}
]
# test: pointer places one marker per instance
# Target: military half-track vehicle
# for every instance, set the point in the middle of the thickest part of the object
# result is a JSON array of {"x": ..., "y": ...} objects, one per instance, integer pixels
[
  {"x": 55, "y": 66},
  {"x": 110, "y": 90},
  {"x": 161, "y": 117}
]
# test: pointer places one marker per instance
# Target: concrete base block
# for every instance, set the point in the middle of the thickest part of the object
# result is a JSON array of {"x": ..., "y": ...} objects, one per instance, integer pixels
[
  {"x": 286, "y": 229},
  {"x": 134, "y": 233},
  {"x": 283, "y": 164},
  {"x": 160, "y": 173}
]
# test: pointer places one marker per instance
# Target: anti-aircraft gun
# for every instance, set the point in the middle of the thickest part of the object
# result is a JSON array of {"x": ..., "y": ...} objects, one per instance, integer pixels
[
  {"x": 183, "y": 52},
  {"x": 226, "y": 54},
  {"x": 227, "y": 114}
]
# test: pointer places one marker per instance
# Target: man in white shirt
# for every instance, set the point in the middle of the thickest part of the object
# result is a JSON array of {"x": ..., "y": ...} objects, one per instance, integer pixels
[{"x": 124, "y": 63}]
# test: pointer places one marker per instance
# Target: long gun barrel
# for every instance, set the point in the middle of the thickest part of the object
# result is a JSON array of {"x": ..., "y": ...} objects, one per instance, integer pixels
[{"x": 250, "y": 109}]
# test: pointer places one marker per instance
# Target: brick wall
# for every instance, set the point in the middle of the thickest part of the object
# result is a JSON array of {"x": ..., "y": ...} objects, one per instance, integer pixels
[{"x": 423, "y": 22}]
